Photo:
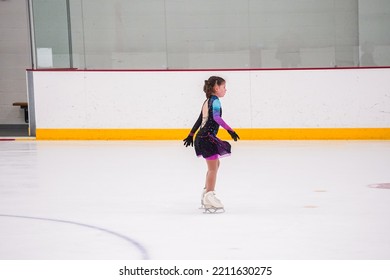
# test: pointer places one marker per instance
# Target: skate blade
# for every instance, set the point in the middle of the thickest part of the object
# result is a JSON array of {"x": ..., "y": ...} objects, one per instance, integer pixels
[{"x": 213, "y": 210}]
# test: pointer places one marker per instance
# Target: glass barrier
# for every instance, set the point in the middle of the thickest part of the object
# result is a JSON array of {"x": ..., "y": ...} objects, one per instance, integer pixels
[
  {"x": 218, "y": 34},
  {"x": 51, "y": 35}
]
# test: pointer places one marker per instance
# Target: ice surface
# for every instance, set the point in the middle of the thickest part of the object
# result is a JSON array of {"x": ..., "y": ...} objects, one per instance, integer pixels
[{"x": 139, "y": 200}]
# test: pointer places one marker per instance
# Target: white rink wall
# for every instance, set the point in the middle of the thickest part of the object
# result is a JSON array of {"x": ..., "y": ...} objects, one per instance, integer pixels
[{"x": 328, "y": 98}]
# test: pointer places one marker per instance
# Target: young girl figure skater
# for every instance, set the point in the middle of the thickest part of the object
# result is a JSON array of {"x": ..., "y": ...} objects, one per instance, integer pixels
[{"x": 207, "y": 144}]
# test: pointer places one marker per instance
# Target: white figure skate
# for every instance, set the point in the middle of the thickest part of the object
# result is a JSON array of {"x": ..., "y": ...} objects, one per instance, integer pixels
[
  {"x": 201, "y": 199},
  {"x": 212, "y": 204}
]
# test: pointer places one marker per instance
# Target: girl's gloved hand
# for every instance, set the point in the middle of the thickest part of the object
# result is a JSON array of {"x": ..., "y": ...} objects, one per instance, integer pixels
[
  {"x": 189, "y": 141},
  {"x": 234, "y": 135}
]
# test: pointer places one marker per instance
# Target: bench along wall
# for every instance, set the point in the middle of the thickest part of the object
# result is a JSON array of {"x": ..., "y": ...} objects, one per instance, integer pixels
[{"x": 259, "y": 104}]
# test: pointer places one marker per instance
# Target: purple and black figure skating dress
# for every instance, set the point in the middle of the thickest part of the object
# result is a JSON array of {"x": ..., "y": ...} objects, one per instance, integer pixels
[{"x": 207, "y": 144}]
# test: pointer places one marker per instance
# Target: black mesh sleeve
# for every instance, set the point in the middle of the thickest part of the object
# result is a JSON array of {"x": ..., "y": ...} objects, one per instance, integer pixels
[{"x": 196, "y": 125}]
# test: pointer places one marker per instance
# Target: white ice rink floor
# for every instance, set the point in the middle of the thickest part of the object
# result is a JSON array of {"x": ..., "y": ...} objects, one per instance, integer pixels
[{"x": 284, "y": 200}]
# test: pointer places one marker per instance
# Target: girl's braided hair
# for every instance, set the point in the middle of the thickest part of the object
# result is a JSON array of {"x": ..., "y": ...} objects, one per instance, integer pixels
[{"x": 209, "y": 84}]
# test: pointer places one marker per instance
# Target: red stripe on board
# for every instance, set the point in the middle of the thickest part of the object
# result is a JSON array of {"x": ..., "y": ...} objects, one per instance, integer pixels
[{"x": 200, "y": 70}]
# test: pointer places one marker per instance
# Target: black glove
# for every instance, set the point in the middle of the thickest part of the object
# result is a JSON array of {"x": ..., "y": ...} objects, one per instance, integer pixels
[
  {"x": 233, "y": 135},
  {"x": 189, "y": 141}
]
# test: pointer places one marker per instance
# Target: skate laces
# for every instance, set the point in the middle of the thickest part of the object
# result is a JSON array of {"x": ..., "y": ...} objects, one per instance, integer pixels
[{"x": 215, "y": 197}]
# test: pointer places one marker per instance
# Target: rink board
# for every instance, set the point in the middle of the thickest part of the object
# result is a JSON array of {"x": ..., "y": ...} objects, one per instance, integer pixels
[{"x": 259, "y": 104}]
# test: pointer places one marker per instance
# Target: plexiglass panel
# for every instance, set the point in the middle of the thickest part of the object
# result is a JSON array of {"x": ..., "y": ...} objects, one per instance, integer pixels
[
  {"x": 205, "y": 34},
  {"x": 51, "y": 34},
  {"x": 374, "y": 34}
]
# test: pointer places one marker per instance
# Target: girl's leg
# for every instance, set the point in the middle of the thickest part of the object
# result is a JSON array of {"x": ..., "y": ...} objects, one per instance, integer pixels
[{"x": 211, "y": 176}]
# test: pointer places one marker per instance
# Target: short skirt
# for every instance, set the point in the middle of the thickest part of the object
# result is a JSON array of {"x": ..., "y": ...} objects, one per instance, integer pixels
[{"x": 210, "y": 145}]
